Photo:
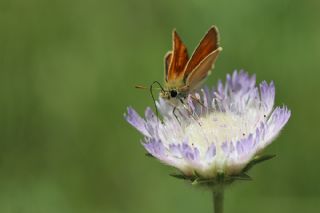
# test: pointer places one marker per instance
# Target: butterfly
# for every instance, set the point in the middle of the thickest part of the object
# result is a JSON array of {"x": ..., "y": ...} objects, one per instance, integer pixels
[{"x": 183, "y": 74}]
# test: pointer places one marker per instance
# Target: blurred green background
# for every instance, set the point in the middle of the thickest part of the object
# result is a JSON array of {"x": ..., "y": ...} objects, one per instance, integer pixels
[{"x": 67, "y": 71}]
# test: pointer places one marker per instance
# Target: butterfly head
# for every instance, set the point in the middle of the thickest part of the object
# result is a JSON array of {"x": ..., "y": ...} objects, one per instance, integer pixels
[
  {"x": 168, "y": 94},
  {"x": 173, "y": 96}
]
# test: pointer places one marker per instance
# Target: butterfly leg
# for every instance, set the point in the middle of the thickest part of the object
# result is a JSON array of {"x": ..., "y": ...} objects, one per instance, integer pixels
[
  {"x": 154, "y": 100},
  {"x": 198, "y": 101},
  {"x": 189, "y": 111},
  {"x": 175, "y": 115}
]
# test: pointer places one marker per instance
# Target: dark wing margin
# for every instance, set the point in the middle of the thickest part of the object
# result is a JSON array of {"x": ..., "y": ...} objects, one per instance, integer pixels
[
  {"x": 208, "y": 44},
  {"x": 179, "y": 58}
]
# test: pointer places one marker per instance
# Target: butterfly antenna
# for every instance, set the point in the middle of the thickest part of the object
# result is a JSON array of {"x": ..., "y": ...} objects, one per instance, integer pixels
[
  {"x": 140, "y": 87},
  {"x": 157, "y": 82},
  {"x": 151, "y": 92}
]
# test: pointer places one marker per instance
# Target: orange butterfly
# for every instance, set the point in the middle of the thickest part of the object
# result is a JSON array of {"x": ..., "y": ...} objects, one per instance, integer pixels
[{"x": 183, "y": 74}]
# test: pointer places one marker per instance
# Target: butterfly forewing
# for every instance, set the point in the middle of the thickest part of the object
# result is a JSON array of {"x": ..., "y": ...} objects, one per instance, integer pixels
[
  {"x": 178, "y": 59},
  {"x": 208, "y": 44},
  {"x": 202, "y": 70}
]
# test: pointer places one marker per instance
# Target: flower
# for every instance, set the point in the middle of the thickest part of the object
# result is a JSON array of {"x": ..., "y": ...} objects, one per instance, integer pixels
[{"x": 219, "y": 132}]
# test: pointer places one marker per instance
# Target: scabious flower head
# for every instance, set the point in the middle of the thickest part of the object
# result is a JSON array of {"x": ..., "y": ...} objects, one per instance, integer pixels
[{"x": 221, "y": 132}]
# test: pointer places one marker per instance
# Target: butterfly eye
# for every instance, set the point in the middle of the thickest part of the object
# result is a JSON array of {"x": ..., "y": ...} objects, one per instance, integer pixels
[{"x": 173, "y": 93}]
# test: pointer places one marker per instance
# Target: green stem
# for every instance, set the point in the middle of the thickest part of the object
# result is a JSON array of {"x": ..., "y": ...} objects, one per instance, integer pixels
[{"x": 218, "y": 198}]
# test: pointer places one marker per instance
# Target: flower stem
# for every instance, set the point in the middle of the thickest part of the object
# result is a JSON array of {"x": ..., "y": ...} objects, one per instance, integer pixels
[{"x": 217, "y": 193}]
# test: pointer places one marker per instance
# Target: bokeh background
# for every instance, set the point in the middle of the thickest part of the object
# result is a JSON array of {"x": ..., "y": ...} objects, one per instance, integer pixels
[{"x": 67, "y": 71}]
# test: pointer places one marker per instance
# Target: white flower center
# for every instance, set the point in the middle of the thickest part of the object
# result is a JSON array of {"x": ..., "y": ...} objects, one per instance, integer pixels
[{"x": 219, "y": 127}]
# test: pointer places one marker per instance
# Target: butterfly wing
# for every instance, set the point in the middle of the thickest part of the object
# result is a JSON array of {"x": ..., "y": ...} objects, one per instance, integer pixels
[
  {"x": 176, "y": 60},
  {"x": 197, "y": 76},
  {"x": 167, "y": 61},
  {"x": 202, "y": 59}
]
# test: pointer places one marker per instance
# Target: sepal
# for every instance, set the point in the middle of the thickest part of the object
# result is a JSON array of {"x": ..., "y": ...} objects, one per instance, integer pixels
[
  {"x": 181, "y": 176},
  {"x": 149, "y": 155},
  {"x": 241, "y": 176},
  {"x": 256, "y": 160}
]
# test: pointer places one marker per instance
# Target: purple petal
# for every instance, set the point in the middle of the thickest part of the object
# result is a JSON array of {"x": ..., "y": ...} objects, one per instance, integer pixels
[
  {"x": 136, "y": 121},
  {"x": 154, "y": 147},
  {"x": 175, "y": 150},
  {"x": 239, "y": 148},
  {"x": 246, "y": 145},
  {"x": 273, "y": 126},
  {"x": 225, "y": 148},
  {"x": 211, "y": 152},
  {"x": 150, "y": 116},
  {"x": 267, "y": 93},
  {"x": 279, "y": 118},
  {"x": 189, "y": 153}
]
